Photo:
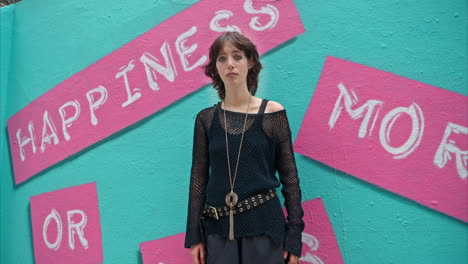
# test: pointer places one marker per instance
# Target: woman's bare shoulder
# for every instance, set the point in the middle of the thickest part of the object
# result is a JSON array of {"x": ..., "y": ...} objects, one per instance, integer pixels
[{"x": 273, "y": 106}]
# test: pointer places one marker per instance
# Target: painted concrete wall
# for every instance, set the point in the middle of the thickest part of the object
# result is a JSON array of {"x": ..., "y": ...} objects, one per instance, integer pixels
[
  {"x": 143, "y": 172},
  {"x": 6, "y": 18}
]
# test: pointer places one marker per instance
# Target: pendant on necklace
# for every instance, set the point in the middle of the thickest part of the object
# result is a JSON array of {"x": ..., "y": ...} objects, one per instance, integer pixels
[{"x": 231, "y": 200}]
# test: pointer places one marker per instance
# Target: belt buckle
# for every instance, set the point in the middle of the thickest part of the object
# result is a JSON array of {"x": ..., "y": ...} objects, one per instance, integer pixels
[{"x": 216, "y": 212}]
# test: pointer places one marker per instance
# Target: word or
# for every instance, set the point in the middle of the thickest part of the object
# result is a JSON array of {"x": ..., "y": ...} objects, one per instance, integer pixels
[{"x": 73, "y": 229}]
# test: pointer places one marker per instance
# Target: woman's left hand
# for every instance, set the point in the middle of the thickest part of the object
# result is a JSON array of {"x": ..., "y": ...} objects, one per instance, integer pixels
[{"x": 293, "y": 259}]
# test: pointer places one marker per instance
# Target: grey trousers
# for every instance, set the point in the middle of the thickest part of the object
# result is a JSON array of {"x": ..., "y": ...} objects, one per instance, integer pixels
[{"x": 247, "y": 250}]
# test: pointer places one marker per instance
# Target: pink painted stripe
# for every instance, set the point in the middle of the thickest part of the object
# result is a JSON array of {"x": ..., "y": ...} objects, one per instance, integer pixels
[
  {"x": 123, "y": 87},
  {"x": 414, "y": 144}
]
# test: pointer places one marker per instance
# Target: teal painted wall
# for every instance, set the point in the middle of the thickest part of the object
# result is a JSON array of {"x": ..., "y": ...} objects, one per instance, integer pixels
[
  {"x": 142, "y": 173},
  {"x": 6, "y": 19}
]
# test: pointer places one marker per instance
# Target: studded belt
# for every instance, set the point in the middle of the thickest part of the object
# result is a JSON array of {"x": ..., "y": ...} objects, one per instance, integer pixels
[{"x": 217, "y": 213}]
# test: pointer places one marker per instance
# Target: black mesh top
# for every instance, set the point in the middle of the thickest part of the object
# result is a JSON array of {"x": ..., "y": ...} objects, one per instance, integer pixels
[{"x": 267, "y": 148}]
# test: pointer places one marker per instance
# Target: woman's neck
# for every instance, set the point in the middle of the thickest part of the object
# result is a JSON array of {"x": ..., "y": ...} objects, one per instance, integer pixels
[{"x": 236, "y": 97}]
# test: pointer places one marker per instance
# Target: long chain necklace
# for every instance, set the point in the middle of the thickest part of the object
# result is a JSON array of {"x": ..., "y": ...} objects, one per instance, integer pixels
[{"x": 231, "y": 197}]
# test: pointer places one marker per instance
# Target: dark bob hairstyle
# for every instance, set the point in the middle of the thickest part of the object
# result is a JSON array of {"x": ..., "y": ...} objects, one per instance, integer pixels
[{"x": 242, "y": 43}]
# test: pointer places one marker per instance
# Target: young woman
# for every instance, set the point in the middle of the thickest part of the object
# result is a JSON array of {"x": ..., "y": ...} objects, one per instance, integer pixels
[{"x": 234, "y": 214}]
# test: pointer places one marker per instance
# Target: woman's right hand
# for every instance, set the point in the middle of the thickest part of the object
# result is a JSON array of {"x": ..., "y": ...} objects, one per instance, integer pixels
[{"x": 198, "y": 253}]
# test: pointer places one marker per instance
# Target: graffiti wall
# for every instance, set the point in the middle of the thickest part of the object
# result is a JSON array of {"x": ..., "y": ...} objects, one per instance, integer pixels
[{"x": 98, "y": 102}]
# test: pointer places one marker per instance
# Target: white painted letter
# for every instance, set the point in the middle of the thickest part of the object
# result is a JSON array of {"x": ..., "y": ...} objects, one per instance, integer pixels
[
  {"x": 151, "y": 63},
  {"x": 130, "y": 97},
  {"x": 270, "y": 10},
  {"x": 68, "y": 122},
  {"x": 345, "y": 100},
  {"x": 417, "y": 130},
  {"x": 25, "y": 140},
  {"x": 185, "y": 52},
  {"x": 447, "y": 147},
  {"x": 220, "y": 15},
  {"x": 76, "y": 228},
  {"x": 52, "y": 216},
  {"x": 46, "y": 138},
  {"x": 95, "y": 104},
  {"x": 313, "y": 245}
]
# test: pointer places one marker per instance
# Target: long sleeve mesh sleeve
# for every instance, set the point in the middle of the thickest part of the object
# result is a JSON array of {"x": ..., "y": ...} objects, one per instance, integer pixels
[
  {"x": 198, "y": 182},
  {"x": 286, "y": 167}
]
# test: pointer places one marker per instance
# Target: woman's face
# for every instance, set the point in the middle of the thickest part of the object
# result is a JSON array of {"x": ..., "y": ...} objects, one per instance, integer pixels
[{"x": 232, "y": 65}]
